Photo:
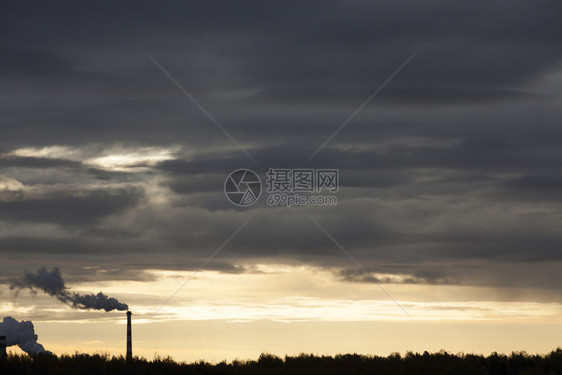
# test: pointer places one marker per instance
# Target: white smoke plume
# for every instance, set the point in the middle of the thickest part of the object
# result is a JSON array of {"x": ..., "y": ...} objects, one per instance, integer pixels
[
  {"x": 21, "y": 334},
  {"x": 52, "y": 283}
]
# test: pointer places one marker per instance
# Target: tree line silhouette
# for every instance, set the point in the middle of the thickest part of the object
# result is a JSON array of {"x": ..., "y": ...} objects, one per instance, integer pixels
[{"x": 445, "y": 363}]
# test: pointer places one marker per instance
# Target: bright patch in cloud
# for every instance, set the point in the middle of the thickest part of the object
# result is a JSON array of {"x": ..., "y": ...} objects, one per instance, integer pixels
[
  {"x": 54, "y": 152},
  {"x": 10, "y": 184},
  {"x": 111, "y": 158},
  {"x": 128, "y": 159}
]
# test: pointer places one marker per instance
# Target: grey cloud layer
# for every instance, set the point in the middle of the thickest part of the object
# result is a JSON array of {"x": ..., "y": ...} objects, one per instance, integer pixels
[
  {"x": 451, "y": 175},
  {"x": 246, "y": 58}
]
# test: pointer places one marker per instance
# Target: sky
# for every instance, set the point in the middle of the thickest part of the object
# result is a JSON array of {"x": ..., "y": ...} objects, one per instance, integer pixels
[{"x": 120, "y": 123}]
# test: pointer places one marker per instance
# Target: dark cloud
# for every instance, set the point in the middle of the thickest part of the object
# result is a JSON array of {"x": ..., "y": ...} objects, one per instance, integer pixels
[
  {"x": 449, "y": 173},
  {"x": 21, "y": 63},
  {"x": 94, "y": 72},
  {"x": 36, "y": 162},
  {"x": 73, "y": 207},
  {"x": 545, "y": 188}
]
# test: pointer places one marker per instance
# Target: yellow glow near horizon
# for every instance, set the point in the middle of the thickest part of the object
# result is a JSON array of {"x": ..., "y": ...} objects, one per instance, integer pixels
[
  {"x": 286, "y": 309},
  {"x": 219, "y": 340},
  {"x": 298, "y": 293}
]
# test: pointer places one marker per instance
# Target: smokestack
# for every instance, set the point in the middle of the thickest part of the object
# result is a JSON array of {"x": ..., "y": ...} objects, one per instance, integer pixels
[
  {"x": 2, "y": 347},
  {"x": 129, "y": 337}
]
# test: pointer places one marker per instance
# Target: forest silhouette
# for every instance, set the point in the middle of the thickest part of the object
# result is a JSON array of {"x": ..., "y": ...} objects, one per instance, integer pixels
[{"x": 438, "y": 363}]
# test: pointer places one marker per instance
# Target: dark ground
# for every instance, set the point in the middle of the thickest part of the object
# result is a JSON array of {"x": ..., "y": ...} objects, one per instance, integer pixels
[{"x": 411, "y": 364}]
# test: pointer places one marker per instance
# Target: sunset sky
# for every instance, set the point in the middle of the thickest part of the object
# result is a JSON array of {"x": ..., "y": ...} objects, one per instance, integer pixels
[{"x": 119, "y": 125}]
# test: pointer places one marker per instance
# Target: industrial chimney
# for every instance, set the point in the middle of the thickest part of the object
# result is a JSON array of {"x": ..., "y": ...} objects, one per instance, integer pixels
[
  {"x": 2, "y": 347},
  {"x": 129, "y": 337}
]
